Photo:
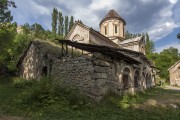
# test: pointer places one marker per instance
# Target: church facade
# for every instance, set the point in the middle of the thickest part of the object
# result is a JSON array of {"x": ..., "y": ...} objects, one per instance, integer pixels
[
  {"x": 94, "y": 62},
  {"x": 174, "y": 73},
  {"x": 112, "y": 33}
]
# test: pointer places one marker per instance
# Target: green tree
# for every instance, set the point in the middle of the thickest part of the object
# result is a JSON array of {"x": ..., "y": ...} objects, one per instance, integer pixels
[
  {"x": 5, "y": 13},
  {"x": 38, "y": 31},
  {"x": 26, "y": 28},
  {"x": 129, "y": 35},
  {"x": 54, "y": 21},
  {"x": 149, "y": 45},
  {"x": 60, "y": 24},
  {"x": 178, "y": 35},
  {"x": 71, "y": 23},
  {"x": 165, "y": 59},
  {"x": 7, "y": 35},
  {"x": 66, "y": 24}
]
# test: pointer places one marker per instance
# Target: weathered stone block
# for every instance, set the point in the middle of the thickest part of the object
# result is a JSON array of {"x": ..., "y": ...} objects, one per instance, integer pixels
[
  {"x": 97, "y": 75},
  {"x": 101, "y": 63},
  {"x": 100, "y": 82},
  {"x": 97, "y": 91},
  {"x": 98, "y": 55},
  {"x": 88, "y": 77},
  {"x": 105, "y": 90},
  {"x": 99, "y": 69},
  {"x": 103, "y": 75}
]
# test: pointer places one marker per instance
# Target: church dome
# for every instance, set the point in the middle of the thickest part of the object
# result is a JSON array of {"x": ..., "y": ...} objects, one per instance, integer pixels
[{"x": 113, "y": 15}]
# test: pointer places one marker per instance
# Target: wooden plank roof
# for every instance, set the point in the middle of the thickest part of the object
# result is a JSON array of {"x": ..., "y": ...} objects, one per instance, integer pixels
[{"x": 110, "y": 51}]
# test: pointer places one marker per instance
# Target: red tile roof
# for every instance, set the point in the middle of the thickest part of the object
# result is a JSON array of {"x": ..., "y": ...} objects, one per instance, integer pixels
[{"x": 113, "y": 14}]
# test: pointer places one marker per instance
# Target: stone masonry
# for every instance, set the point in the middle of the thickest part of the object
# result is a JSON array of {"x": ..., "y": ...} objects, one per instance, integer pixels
[{"x": 94, "y": 75}]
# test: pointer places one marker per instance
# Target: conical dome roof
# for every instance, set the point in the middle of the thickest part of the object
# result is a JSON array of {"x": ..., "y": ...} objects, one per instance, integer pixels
[{"x": 111, "y": 15}]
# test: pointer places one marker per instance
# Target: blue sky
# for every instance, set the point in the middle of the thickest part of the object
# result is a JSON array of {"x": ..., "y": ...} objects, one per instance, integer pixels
[{"x": 159, "y": 18}]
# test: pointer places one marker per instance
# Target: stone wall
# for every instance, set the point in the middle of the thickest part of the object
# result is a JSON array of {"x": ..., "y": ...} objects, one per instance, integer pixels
[
  {"x": 96, "y": 75},
  {"x": 31, "y": 67},
  {"x": 84, "y": 72},
  {"x": 175, "y": 75},
  {"x": 75, "y": 71}
]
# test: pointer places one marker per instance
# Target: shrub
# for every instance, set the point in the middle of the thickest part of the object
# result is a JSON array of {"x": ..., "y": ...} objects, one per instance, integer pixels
[
  {"x": 22, "y": 83},
  {"x": 42, "y": 93}
]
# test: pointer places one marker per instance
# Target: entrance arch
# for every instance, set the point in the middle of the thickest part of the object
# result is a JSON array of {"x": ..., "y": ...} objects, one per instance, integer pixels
[
  {"x": 126, "y": 78},
  {"x": 147, "y": 80},
  {"x": 136, "y": 79}
]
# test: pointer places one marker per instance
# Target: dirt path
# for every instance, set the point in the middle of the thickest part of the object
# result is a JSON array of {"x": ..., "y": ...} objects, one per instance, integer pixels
[
  {"x": 172, "y": 88},
  {"x": 168, "y": 96}
]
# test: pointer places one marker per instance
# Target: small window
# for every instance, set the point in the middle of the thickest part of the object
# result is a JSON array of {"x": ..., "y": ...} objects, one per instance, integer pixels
[
  {"x": 105, "y": 30},
  {"x": 115, "y": 29}
]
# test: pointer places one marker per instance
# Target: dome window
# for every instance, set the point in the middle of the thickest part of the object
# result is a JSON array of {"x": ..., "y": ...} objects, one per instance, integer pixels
[
  {"x": 105, "y": 30},
  {"x": 115, "y": 29}
]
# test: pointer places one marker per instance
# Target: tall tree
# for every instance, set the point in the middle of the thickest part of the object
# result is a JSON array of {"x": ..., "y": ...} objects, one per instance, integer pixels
[
  {"x": 37, "y": 30},
  {"x": 66, "y": 24},
  {"x": 178, "y": 35},
  {"x": 54, "y": 21},
  {"x": 149, "y": 45},
  {"x": 165, "y": 59},
  {"x": 26, "y": 28},
  {"x": 7, "y": 35},
  {"x": 60, "y": 24},
  {"x": 71, "y": 23},
  {"x": 129, "y": 35},
  {"x": 5, "y": 13}
]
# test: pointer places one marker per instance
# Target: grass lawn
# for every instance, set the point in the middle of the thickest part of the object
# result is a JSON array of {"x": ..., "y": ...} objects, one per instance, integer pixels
[{"x": 153, "y": 104}]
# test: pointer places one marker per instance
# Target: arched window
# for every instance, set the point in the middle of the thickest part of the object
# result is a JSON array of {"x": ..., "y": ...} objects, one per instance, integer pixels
[
  {"x": 142, "y": 49},
  {"x": 125, "y": 78},
  {"x": 136, "y": 78},
  {"x": 115, "y": 28},
  {"x": 143, "y": 79},
  {"x": 78, "y": 38},
  {"x": 105, "y": 30}
]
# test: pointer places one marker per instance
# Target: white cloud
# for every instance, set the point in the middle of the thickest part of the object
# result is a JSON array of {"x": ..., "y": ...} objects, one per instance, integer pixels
[
  {"x": 91, "y": 12},
  {"x": 165, "y": 25},
  {"x": 175, "y": 45},
  {"x": 102, "y": 4},
  {"x": 173, "y": 1},
  {"x": 41, "y": 9}
]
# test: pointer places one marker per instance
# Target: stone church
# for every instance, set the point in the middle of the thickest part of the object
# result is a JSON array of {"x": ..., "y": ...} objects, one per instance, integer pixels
[
  {"x": 94, "y": 62},
  {"x": 112, "y": 33},
  {"x": 174, "y": 72}
]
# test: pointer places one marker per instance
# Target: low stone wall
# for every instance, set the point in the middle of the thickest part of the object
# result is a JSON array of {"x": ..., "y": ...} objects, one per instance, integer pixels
[
  {"x": 73, "y": 71},
  {"x": 80, "y": 72},
  {"x": 95, "y": 75}
]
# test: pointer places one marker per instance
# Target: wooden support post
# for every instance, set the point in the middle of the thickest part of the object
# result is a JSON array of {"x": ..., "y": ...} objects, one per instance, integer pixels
[
  {"x": 72, "y": 51},
  {"x": 66, "y": 49},
  {"x": 62, "y": 49}
]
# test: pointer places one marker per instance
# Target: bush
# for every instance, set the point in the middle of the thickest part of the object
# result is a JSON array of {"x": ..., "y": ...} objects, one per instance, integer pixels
[
  {"x": 22, "y": 83},
  {"x": 42, "y": 93},
  {"x": 125, "y": 101}
]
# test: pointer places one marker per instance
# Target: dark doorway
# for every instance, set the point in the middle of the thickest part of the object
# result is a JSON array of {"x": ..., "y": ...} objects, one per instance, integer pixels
[
  {"x": 44, "y": 70},
  {"x": 136, "y": 79},
  {"x": 125, "y": 77}
]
